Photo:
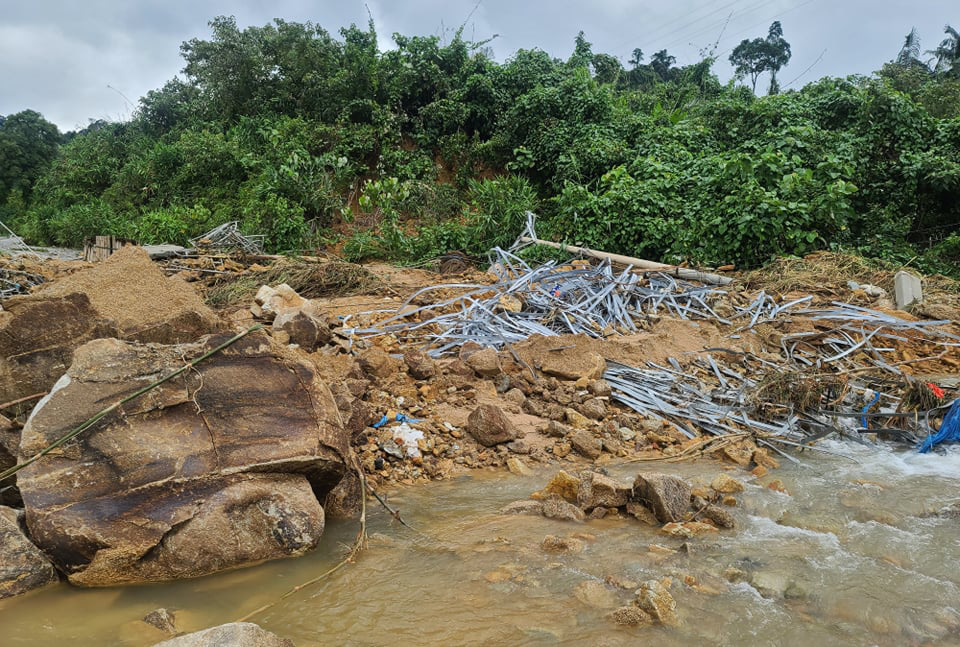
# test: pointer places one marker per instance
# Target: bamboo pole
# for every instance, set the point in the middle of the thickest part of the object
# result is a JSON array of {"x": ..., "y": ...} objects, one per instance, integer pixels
[{"x": 682, "y": 272}]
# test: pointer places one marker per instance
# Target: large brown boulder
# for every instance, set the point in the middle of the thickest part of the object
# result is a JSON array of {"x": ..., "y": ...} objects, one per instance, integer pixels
[
  {"x": 22, "y": 566},
  {"x": 242, "y": 447}
]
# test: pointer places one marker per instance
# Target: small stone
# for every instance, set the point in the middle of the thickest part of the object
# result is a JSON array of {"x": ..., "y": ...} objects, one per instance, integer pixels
[
  {"x": 740, "y": 453},
  {"x": 515, "y": 396},
  {"x": 562, "y": 485},
  {"x": 621, "y": 583},
  {"x": 519, "y": 446},
  {"x": 719, "y": 516},
  {"x": 769, "y": 585},
  {"x": 554, "y": 544},
  {"x": 730, "y": 501},
  {"x": 303, "y": 328},
  {"x": 687, "y": 529},
  {"x": 489, "y": 426},
  {"x": 642, "y": 513},
  {"x": 631, "y": 617},
  {"x": 562, "y": 450},
  {"x": 668, "y": 496},
  {"x": 597, "y": 490},
  {"x": 759, "y": 471},
  {"x": 626, "y": 434},
  {"x": 420, "y": 366},
  {"x": 576, "y": 419},
  {"x": 234, "y": 633},
  {"x": 376, "y": 363},
  {"x": 485, "y": 363},
  {"x": 162, "y": 619},
  {"x": 586, "y": 444},
  {"x": 593, "y": 408},
  {"x": 654, "y": 598},
  {"x": 502, "y": 383},
  {"x": 777, "y": 486},
  {"x": 762, "y": 457},
  {"x": 555, "y": 429},
  {"x": 726, "y": 485},
  {"x": 557, "y": 508},
  {"x": 600, "y": 388},
  {"x": 518, "y": 467},
  {"x": 598, "y": 513},
  {"x": 523, "y": 507},
  {"x": 594, "y": 594}
]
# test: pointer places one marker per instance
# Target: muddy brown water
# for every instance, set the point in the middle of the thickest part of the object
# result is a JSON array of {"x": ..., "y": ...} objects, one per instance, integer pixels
[{"x": 847, "y": 559}]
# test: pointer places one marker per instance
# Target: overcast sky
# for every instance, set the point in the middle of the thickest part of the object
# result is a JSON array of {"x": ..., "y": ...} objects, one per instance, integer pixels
[{"x": 74, "y": 61}]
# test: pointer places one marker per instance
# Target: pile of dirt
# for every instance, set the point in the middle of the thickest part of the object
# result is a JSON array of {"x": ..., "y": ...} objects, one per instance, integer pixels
[{"x": 132, "y": 291}]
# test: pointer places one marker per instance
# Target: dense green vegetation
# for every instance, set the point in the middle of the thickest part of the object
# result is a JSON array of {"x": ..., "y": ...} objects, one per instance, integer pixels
[{"x": 431, "y": 146}]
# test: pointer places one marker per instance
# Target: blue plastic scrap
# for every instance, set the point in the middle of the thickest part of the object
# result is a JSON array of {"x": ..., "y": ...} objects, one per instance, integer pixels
[
  {"x": 399, "y": 418},
  {"x": 949, "y": 429},
  {"x": 863, "y": 419}
]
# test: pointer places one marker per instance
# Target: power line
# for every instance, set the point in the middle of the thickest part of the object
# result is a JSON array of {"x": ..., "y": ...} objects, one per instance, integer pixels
[
  {"x": 715, "y": 25},
  {"x": 819, "y": 58}
]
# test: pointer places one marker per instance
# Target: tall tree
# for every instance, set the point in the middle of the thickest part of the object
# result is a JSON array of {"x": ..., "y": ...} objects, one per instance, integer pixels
[
  {"x": 909, "y": 55},
  {"x": 754, "y": 57},
  {"x": 661, "y": 62},
  {"x": 28, "y": 143}
]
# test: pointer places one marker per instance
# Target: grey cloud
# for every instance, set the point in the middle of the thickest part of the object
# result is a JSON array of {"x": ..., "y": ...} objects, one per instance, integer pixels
[{"x": 59, "y": 56}]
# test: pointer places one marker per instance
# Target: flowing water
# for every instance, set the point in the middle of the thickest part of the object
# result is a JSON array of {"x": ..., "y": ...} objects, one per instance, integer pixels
[{"x": 850, "y": 557}]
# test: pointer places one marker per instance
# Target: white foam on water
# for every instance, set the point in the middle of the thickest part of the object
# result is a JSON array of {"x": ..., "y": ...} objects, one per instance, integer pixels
[{"x": 895, "y": 463}]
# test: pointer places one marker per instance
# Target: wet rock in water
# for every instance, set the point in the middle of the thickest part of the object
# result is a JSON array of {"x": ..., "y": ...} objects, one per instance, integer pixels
[
  {"x": 420, "y": 366},
  {"x": 489, "y": 426},
  {"x": 594, "y": 594},
  {"x": 777, "y": 486},
  {"x": 631, "y": 617},
  {"x": 162, "y": 619},
  {"x": 687, "y": 529},
  {"x": 22, "y": 566},
  {"x": 763, "y": 458},
  {"x": 344, "y": 501},
  {"x": 518, "y": 467},
  {"x": 769, "y": 585},
  {"x": 668, "y": 496},
  {"x": 726, "y": 485},
  {"x": 554, "y": 544},
  {"x": 950, "y": 511},
  {"x": 239, "y": 634},
  {"x": 242, "y": 446},
  {"x": 585, "y": 444},
  {"x": 303, "y": 327},
  {"x": 562, "y": 485},
  {"x": 642, "y": 513},
  {"x": 557, "y": 508},
  {"x": 599, "y": 490},
  {"x": 654, "y": 598},
  {"x": 377, "y": 363},
  {"x": 719, "y": 516},
  {"x": 523, "y": 507},
  {"x": 485, "y": 362}
]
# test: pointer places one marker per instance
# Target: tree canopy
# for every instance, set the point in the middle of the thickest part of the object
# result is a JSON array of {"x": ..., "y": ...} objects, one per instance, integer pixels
[{"x": 319, "y": 139}]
